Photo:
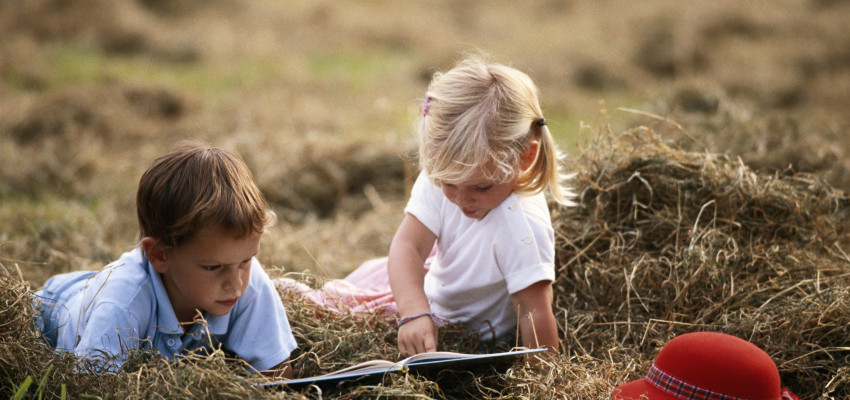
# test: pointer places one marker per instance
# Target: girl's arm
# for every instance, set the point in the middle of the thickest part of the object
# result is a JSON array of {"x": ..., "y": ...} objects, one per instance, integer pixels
[
  {"x": 536, "y": 321},
  {"x": 410, "y": 248}
]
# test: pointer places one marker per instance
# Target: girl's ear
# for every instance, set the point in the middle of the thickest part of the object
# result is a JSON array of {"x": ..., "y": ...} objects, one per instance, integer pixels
[
  {"x": 530, "y": 155},
  {"x": 156, "y": 254}
]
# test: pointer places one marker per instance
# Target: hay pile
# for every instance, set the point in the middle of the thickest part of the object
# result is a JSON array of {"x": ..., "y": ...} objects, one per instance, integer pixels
[
  {"x": 667, "y": 242},
  {"x": 663, "y": 242}
]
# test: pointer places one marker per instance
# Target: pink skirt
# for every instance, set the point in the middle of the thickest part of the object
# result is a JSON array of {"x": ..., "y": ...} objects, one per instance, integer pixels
[{"x": 364, "y": 290}]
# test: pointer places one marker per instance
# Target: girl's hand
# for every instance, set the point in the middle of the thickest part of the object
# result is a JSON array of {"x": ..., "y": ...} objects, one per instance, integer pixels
[
  {"x": 410, "y": 248},
  {"x": 417, "y": 336}
]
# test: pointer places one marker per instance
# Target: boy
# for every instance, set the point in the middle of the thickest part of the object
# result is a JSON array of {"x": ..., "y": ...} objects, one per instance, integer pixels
[{"x": 193, "y": 282}]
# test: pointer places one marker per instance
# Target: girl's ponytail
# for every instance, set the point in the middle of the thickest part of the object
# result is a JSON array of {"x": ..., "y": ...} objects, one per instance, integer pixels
[{"x": 545, "y": 172}]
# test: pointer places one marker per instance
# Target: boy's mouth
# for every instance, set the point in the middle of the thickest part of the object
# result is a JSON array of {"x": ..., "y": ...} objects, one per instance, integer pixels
[{"x": 228, "y": 302}]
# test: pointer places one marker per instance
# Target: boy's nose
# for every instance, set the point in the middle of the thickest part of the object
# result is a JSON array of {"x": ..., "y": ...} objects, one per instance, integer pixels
[{"x": 234, "y": 280}]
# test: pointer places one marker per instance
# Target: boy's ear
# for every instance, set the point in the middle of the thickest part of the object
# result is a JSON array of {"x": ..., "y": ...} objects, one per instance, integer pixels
[
  {"x": 530, "y": 155},
  {"x": 156, "y": 254}
]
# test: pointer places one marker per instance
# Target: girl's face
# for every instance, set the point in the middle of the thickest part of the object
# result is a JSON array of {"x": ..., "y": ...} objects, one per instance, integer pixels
[{"x": 476, "y": 196}]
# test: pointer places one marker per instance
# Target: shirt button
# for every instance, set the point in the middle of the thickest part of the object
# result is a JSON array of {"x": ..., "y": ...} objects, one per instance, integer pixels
[
  {"x": 512, "y": 206},
  {"x": 526, "y": 240},
  {"x": 171, "y": 342}
]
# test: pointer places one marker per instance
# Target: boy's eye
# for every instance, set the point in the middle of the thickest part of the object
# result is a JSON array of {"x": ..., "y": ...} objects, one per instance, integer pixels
[{"x": 211, "y": 267}]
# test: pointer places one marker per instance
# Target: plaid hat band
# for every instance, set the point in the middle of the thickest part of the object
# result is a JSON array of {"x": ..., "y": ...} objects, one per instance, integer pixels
[{"x": 683, "y": 390}]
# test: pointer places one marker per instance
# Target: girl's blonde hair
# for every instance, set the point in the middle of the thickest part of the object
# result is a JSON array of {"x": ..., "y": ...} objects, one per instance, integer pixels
[{"x": 484, "y": 115}]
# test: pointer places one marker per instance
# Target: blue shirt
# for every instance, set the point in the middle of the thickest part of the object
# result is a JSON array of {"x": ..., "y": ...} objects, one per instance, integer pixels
[{"x": 125, "y": 306}]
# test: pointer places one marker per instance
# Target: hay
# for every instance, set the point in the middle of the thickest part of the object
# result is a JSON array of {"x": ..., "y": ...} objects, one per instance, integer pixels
[
  {"x": 666, "y": 242},
  {"x": 663, "y": 242},
  {"x": 24, "y": 357}
]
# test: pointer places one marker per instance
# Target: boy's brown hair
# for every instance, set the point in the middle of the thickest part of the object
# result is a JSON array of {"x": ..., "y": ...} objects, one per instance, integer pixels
[{"x": 197, "y": 187}]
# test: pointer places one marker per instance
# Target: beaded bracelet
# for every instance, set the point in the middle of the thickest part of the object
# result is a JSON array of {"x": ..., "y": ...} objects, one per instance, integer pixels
[{"x": 440, "y": 322}]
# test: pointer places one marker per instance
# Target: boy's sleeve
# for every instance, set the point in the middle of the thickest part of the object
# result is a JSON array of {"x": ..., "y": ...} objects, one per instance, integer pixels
[
  {"x": 108, "y": 333},
  {"x": 259, "y": 331}
]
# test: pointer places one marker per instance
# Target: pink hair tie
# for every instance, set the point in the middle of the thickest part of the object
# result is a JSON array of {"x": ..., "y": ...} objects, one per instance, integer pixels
[{"x": 427, "y": 105}]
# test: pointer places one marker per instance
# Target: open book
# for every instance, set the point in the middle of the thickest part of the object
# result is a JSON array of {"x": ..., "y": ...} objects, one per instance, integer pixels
[{"x": 420, "y": 363}]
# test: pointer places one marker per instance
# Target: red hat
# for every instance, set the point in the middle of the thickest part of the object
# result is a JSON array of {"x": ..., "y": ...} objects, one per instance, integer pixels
[{"x": 708, "y": 366}]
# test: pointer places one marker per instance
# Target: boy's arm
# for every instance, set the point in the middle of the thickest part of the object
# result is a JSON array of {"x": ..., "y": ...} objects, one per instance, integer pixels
[
  {"x": 280, "y": 371},
  {"x": 110, "y": 331},
  {"x": 536, "y": 321},
  {"x": 410, "y": 248}
]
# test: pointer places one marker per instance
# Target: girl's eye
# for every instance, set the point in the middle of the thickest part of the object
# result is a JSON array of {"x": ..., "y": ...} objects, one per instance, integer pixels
[
  {"x": 483, "y": 188},
  {"x": 211, "y": 267}
]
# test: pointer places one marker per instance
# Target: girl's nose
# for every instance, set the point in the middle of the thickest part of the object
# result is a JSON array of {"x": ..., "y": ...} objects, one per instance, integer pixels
[
  {"x": 465, "y": 198},
  {"x": 460, "y": 199}
]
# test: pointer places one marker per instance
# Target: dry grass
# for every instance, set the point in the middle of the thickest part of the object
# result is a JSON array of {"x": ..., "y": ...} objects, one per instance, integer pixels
[
  {"x": 667, "y": 242},
  {"x": 663, "y": 242},
  {"x": 319, "y": 97}
]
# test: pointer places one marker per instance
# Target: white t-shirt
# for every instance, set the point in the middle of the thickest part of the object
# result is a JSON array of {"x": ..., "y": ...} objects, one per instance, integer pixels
[{"x": 480, "y": 263}]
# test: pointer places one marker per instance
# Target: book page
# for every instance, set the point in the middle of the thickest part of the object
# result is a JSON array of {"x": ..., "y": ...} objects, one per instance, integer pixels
[
  {"x": 384, "y": 365},
  {"x": 366, "y": 366},
  {"x": 420, "y": 363}
]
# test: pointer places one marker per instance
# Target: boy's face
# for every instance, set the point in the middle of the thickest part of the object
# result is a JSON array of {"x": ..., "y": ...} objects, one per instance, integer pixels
[
  {"x": 208, "y": 273},
  {"x": 476, "y": 196}
]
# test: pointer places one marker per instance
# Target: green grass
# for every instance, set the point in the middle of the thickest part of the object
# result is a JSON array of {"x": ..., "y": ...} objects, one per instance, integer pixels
[
  {"x": 356, "y": 69},
  {"x": 573, "y": 126},
  {"x": 564, "y": 127},
  {"x": 74, "y": 64},
  {"x": 217, "y": 81},
  {"x": 22, "y": 390}
]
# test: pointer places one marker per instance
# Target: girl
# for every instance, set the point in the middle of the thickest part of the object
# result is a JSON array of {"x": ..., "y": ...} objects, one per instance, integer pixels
[
  {"x": 476, "y": 244},
  {"x": 486, "y": 157}
]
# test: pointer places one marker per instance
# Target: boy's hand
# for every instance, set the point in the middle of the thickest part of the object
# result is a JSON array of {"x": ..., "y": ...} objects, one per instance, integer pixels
[
  {"x": 417, "y": 336},
  {"x": 280, "y": 371}
]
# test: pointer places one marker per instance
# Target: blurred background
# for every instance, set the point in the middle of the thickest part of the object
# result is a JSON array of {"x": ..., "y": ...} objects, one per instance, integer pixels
[{"x": 320, "y": 97}]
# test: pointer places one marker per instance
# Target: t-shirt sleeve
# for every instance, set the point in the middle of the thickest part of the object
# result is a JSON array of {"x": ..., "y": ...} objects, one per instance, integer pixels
[
  {"x": 426, "y": 201},
  {"x": 110, "y": 331},
  {"x": 260, "y": 332},
  {"x": 527, "y": 253}
]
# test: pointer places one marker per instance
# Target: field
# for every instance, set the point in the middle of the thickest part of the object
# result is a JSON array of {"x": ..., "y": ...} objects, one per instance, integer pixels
[{"x": 709, "y": 141}]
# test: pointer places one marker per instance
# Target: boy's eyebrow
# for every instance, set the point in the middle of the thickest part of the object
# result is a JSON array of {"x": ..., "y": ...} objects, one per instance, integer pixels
[{"x": 213, "y": 262}]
